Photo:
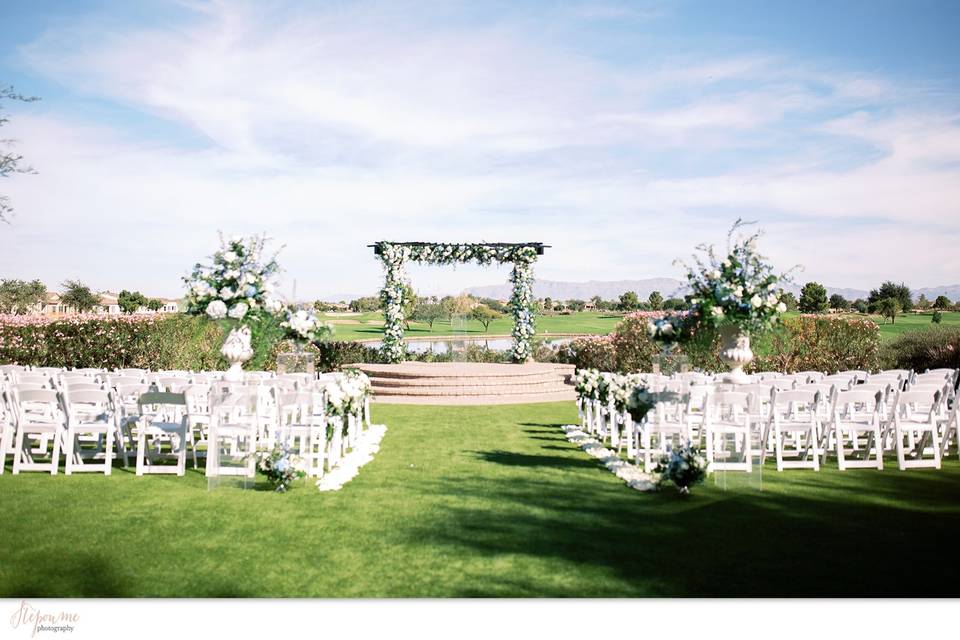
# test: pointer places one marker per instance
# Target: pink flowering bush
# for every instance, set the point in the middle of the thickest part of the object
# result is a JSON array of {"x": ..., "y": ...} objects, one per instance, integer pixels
[{"x": 89, "y": 340}]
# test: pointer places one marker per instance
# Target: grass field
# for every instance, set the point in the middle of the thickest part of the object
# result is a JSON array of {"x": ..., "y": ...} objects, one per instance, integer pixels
[
  {"x": 482, "y": 501},
  {"x": 912, "y": 322},
  {"x": 370, "y": 326}
]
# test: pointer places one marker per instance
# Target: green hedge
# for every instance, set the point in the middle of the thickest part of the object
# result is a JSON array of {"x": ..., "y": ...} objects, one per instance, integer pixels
[
  {"x": 816, "y": 343},
  {"x": 933, "y": 348}
]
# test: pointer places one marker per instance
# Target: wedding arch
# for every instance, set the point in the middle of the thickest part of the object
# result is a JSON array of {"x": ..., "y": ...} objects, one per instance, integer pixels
[{"x": 395, "y": 254}]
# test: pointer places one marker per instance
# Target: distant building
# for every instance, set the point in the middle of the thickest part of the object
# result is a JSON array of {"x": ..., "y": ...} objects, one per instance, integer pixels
[{"x": 109, "y": 305}]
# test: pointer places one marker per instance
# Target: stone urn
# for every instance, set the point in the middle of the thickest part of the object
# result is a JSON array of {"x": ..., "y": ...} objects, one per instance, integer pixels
[
  {"x": 736, "y": 353},
  {"x": 237, "y": 350}
]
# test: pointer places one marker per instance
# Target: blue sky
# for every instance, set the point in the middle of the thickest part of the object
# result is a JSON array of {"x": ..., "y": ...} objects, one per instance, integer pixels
[{"x": 620, "y": 133}]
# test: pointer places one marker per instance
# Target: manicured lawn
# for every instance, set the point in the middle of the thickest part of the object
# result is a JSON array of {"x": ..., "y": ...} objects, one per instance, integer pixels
[
  {"x": 482, "y": 501},
  {"x": 912, "y": 322},
  {"x": 370, "y": 326}
]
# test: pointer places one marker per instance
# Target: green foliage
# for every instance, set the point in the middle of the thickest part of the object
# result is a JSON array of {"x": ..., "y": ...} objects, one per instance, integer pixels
[
  {"x": 935, "y": 347},
  {"x": 79, "y": 296},
  {"x": 629, "y": 301},
  {"x": 428, "y": 314},
  {"x": 153, "y": 304},
  {"x": 496, "y": 305},
  {"x": 332, "y": 355},
  {"x": 10, "y": 162},
  {"x": 484, "y": 315},
  {"x": 819, "y": 343},
  {"x": 790, "y": 301},
  {"x": 899, "y": 292},
  {"x": 591, "y": 352},
  {"x": 813, "y": 298},
  {"x": 837, "y": 301},
  {"x": 860, "y": 306},
  {"x": 655, "y": 300},
  {"x": 129, "y": 302},
  {"x": 365, "y": 304},
  {"x": 20, "y": 296},
  {"x": 548, "y": 303},
  {"x": 168, "y": 342},
  {"x": 888, "y": 308},
  {"x": 922, "y": 302},
  {"x": 937, "y": 317},
  {"x": 576, "y": 305},
  {"x": 942, "y": 302},
  {"x": 675, "y": 304}
]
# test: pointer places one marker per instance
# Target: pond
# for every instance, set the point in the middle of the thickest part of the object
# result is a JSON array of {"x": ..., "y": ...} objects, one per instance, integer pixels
[{"x": 455, "y": 344}]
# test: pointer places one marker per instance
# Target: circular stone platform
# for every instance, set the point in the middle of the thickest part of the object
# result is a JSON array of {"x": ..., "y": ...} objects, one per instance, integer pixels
[{"x": 467, "y": 383}]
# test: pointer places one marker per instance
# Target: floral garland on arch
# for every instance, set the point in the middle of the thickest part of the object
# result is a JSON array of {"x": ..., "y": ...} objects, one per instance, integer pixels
[{"x": 395, "y": 254}]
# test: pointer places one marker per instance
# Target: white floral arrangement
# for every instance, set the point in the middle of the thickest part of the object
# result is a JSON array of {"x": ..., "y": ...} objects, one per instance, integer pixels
[
  {"x": 347, "y": 393},
  {"x": 587, "y": 383},
  {"x": 395, "y": 255},
  {"x": 739, "y": 289},
  {"x": 683, "y": 466},
  {"x": 281, "y": 467},
  {"x": 303, "y": 325},
  {"x": 239, "y": 282}
]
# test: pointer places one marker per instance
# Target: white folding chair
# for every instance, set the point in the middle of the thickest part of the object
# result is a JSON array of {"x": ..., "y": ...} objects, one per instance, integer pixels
[
  {"x": 857, "y": 413},
  {"x": 90, "y": 413},
  {"x": 162, "y": 418},
  {"x": 915, "y": 417},
  {"x": 38, "y": 415},
  {"x": 795, "y": 414},
  {"x": 728, "y": 423}
]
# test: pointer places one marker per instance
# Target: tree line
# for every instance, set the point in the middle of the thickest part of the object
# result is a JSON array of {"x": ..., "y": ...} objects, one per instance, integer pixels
[
  {"x": 20, "y": 297},
  {"x": 888, "y": 300}
]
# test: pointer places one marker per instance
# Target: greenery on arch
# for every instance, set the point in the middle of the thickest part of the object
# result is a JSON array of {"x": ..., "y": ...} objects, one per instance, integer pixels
[{"x": 395, "y": 255}]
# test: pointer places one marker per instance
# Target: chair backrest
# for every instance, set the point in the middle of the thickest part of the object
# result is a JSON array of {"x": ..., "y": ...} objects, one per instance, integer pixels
[
  {"x": 782, "y": 384},
  {"x": 78, "y": 403},
  {"x": 932, "y": 378},
  {"x": 135, "y": 373},
  {"x": 173, "y": 385},
  {"x": 131, "y": 392},
  {"x": 161, "y": 399},
  {"x": 734, "y": 399},
  {"x": 30, "y": 386},
  {"x": 841, "y": 381},
  {"x": 869, "y": 399},
  {"x": 811, "y": 376},
  {"x": 73, "y": 387},
  {"x": 32, "y": 378},
  {"x": 825, "y": 390},
  {"x": 918, "y": 401},
  {"x": 789, "y": 399},
  {"x": 35, "y": 405},
  {"x": 173, "y": 373},
  {"x": 119, "y": 381},
  {"x": 89, "y": 372}
]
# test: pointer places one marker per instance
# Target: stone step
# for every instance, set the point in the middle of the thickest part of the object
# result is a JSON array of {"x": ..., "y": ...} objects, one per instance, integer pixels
[
  {"x": 464, "y": 381},
  {"x": 556, "y": 396},
  {"x": 470, "y": 391}
]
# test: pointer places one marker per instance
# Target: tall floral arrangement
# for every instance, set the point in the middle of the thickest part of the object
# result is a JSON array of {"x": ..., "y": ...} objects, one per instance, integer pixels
[
  {"x": 739, "y": 288},
  {"x": 238, "y": 283},
  {"x": 395, "y": 255}
]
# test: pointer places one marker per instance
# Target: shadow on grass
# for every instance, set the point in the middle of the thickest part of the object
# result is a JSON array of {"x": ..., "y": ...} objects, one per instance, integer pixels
[
  {"x": 787, "y": 542},
  {"x": 513, "y": 459}
]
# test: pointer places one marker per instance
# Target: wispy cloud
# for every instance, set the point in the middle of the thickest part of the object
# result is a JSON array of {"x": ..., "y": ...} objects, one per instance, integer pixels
[{"x": 331, "y": 129}]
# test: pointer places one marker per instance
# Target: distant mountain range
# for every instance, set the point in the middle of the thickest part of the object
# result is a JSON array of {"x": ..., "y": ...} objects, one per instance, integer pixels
[{"x": 668, "y": 287}]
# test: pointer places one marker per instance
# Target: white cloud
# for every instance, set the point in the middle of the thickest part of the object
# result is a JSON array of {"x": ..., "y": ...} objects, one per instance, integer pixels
[{"x": 333, "y": 130}]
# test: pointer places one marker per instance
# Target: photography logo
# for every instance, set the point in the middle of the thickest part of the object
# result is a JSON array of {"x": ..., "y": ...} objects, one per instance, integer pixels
[{"x": 43, "y": 622}]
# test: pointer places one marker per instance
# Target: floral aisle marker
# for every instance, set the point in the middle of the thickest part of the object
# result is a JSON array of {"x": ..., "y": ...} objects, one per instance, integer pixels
[
  {"x": 394, "y": 255},
  {"x": 347, "y": 403},
  {"x": 633, "y": 475}
]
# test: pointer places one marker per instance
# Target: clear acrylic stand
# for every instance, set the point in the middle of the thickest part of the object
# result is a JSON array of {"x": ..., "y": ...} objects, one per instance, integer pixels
[{"x": 233, "y": 437}]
